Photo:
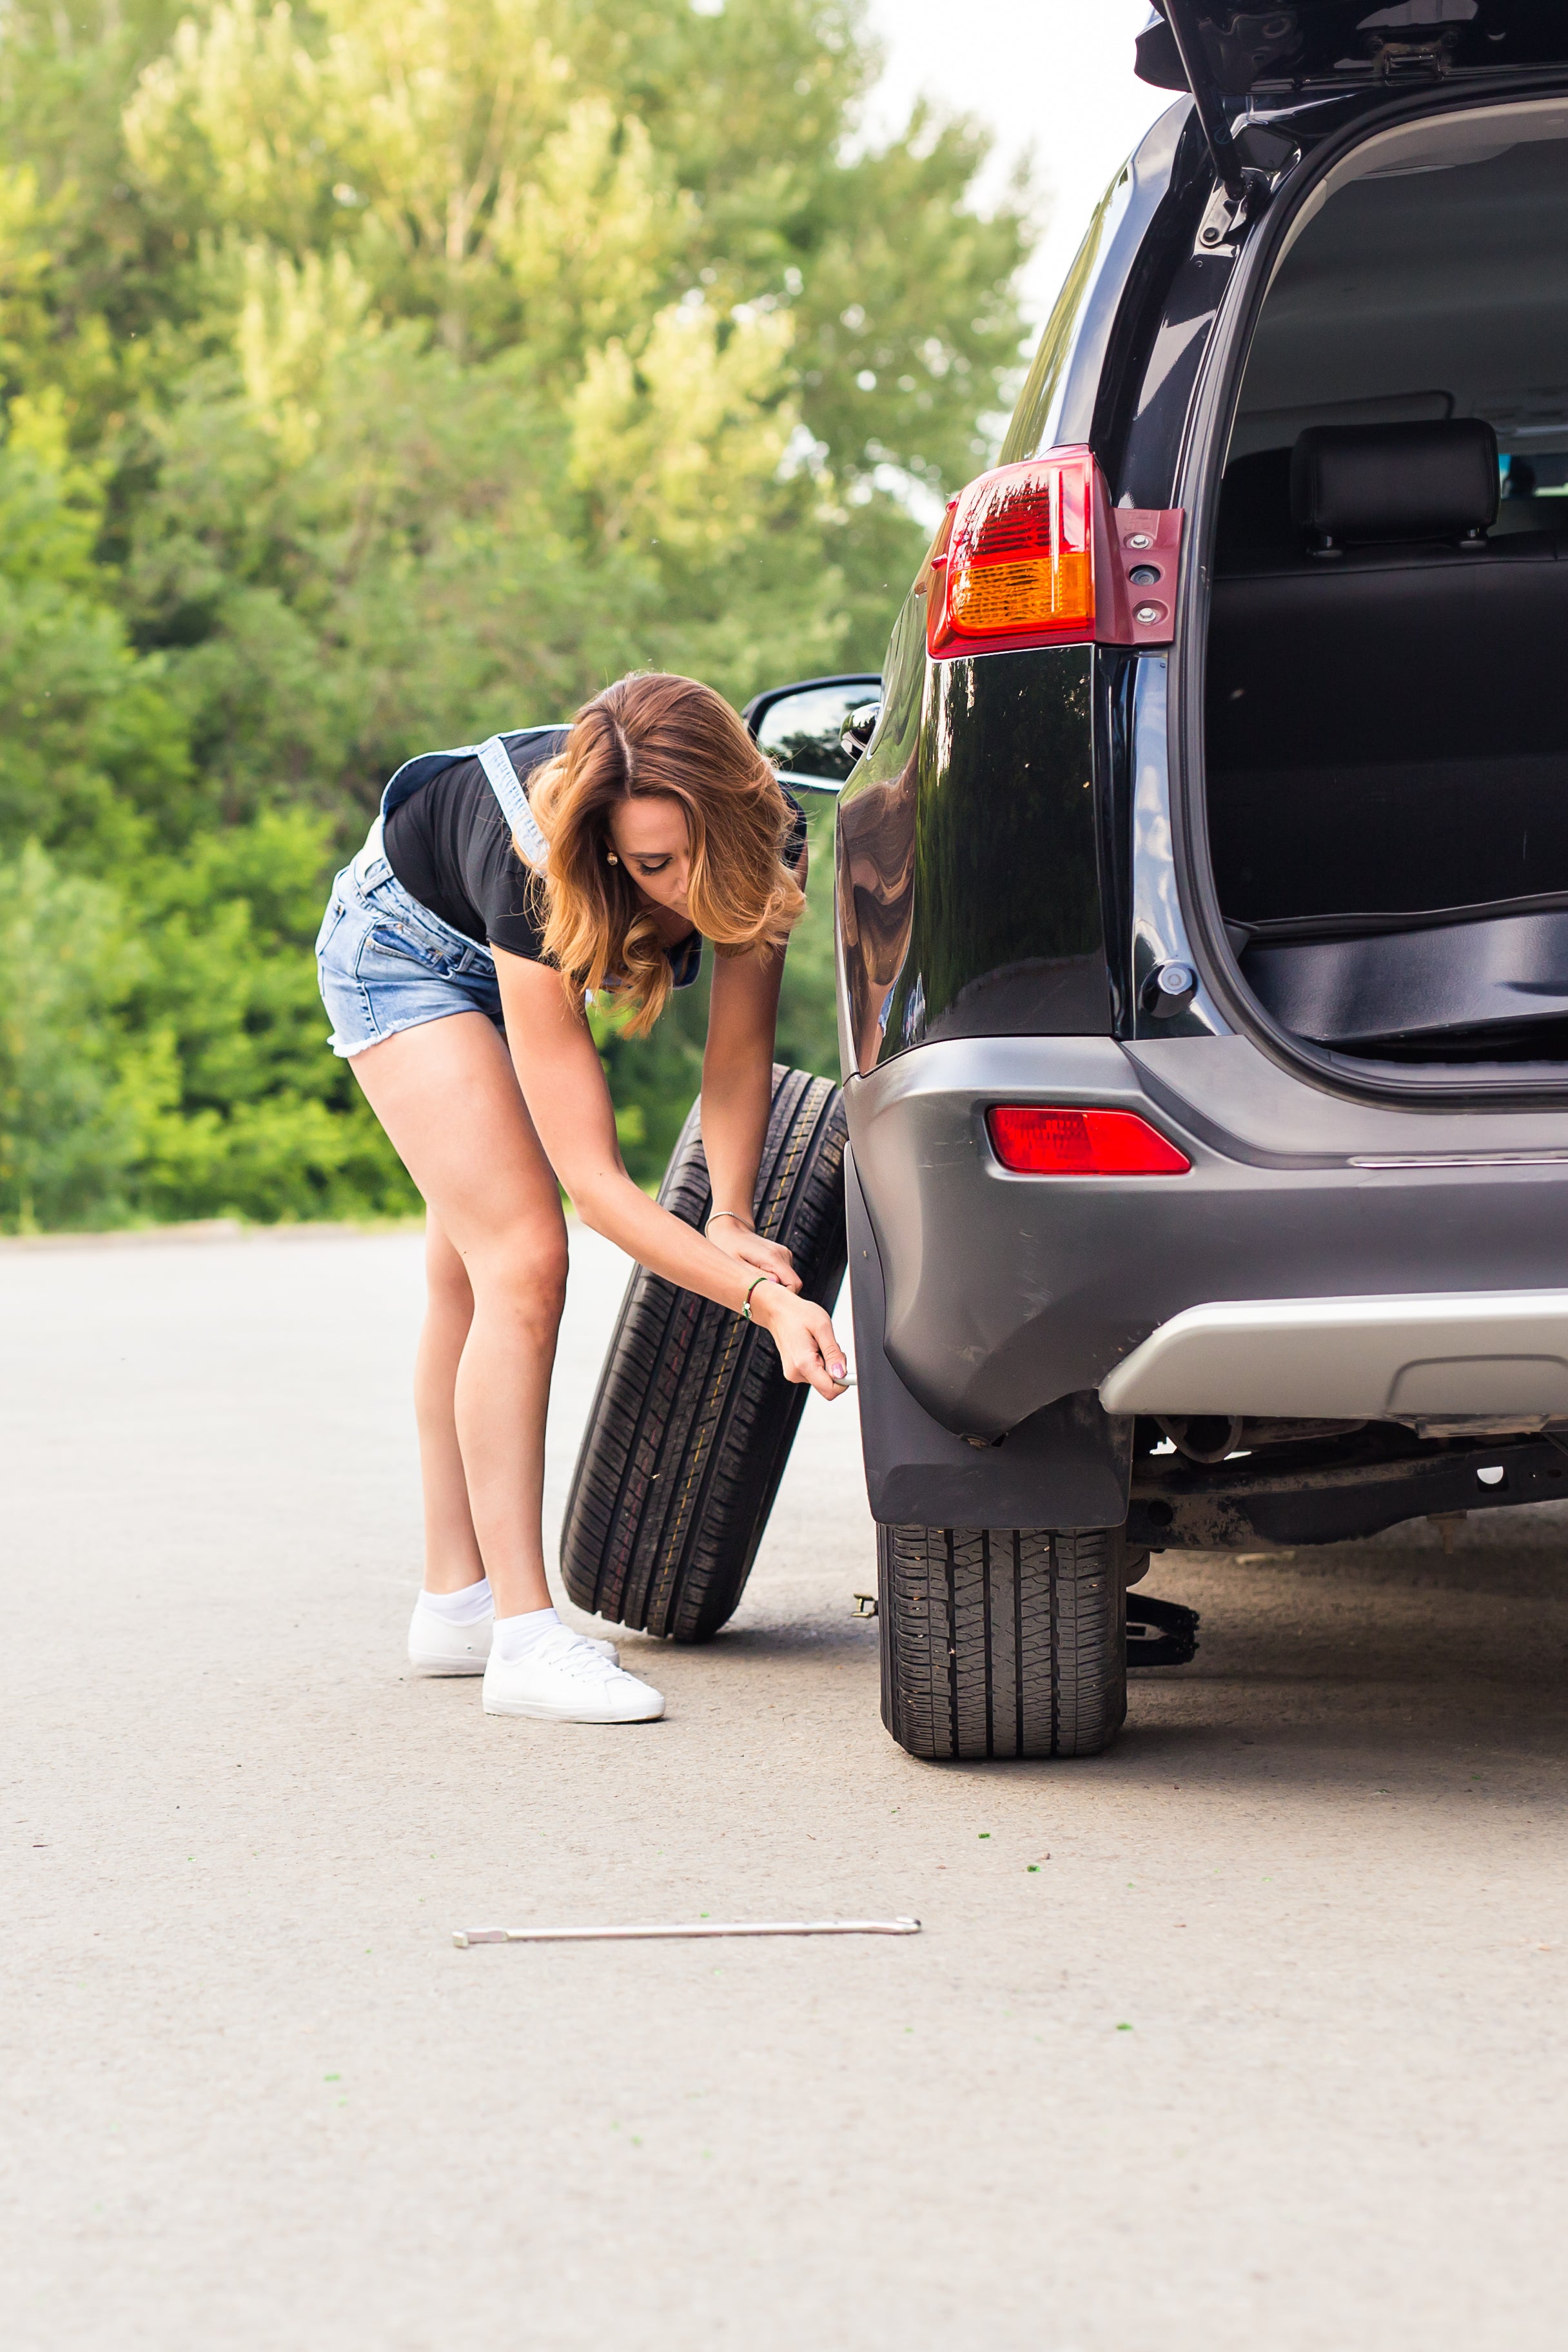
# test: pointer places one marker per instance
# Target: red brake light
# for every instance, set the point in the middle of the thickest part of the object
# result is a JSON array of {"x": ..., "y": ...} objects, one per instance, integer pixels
[
  {"x": 1036, "y": 555},
  {"x": 1041, "y": 1139}
]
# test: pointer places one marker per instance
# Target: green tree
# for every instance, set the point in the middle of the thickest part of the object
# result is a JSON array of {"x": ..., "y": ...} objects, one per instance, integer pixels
[
  {"x": 77, "y": 1092},
  {"x": 378, "y": 373}
]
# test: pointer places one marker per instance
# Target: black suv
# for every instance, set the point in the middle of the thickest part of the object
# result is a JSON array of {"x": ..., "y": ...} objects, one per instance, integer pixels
[{"x": 1202, "y": 888}]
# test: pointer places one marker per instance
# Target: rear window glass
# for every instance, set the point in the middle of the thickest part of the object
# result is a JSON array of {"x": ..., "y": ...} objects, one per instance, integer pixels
[{"x": 1033, "y": 427}]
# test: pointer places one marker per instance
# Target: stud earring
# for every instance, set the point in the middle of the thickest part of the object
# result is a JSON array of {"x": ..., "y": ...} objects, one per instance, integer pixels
[{"x": 610, "y": 857}]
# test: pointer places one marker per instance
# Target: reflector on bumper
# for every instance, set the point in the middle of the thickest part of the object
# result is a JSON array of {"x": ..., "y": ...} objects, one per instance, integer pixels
[{"x": 1059, "y": 1139}]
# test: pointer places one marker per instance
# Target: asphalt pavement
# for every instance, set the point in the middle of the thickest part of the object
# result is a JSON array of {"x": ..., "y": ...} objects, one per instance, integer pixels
[{"x": 1250, "y": 2034}]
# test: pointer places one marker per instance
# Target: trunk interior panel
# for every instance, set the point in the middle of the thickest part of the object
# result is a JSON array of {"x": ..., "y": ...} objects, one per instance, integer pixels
[{"x": 1386, "y": 717}]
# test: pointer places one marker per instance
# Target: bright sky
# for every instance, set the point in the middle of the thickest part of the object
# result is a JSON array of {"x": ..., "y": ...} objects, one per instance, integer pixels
[{"x": 1053, "y": 75}]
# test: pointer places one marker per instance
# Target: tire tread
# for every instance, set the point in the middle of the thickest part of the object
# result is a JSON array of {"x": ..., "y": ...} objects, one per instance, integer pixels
[
  {"x": 694, "y": 1420},
  {"x": 1001, "y": 1641}
]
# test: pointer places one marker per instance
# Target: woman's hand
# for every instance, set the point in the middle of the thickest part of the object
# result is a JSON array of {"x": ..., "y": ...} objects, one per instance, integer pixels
[
  {"x": 804, "y": 1335},
  {"x": 739, "y": 1241}
]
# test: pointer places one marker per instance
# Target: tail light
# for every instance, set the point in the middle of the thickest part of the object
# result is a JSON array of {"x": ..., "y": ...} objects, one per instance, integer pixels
[
  {"x": 1044, "y": 1140},
  {"x": 1035, "y": 554}
]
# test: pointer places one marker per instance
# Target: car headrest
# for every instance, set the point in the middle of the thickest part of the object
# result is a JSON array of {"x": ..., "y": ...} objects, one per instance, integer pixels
[{"x": 1396, "y": 481}]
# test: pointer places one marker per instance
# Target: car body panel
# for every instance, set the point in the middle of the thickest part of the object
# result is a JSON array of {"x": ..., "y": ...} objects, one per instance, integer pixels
[
  {"x": 1004, "y": 1292},
  {"x": 1019, "y": 818},
  {"x": 1068, "y": 1466},
  {"x": 1227, "y": 1090},
  {"x": 1153, "y": 927},
  {"x": 1007, "y": 931}
]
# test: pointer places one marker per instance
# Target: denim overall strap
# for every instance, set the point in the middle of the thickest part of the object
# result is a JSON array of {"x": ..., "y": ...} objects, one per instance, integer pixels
[
  {"x": 507, "y": 785},
  {"x": 497, "y": 768}
]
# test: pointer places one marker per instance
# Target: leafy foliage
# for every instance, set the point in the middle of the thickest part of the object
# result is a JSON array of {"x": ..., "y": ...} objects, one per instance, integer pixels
[{"x": 376, "y": 374}]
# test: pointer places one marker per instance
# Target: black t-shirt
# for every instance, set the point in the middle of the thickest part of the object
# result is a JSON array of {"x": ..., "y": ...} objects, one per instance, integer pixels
[{"x": 450, "y": 846}]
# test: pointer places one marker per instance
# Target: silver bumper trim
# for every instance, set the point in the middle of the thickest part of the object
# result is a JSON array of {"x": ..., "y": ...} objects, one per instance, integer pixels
[
  {"x": 1461, "y": 1159},
  {"x": 1484, "y": 1354}
]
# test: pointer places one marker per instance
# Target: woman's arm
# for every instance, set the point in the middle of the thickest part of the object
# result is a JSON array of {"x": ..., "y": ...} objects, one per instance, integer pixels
[
  {"x": 737, "y": 1098},
  {"x": 562, "y": 1083}
]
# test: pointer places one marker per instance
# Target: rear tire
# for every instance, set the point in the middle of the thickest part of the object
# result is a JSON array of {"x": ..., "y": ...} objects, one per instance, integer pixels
[
  {"x": 693, "y": 1421},
  {"x": 1001, "y": 1641}
]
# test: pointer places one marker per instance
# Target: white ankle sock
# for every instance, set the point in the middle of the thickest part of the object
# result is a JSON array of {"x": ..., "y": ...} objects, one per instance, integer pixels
[
  {"x": 464, "y": 1608},
  {"x": 514, "y": 1637}
]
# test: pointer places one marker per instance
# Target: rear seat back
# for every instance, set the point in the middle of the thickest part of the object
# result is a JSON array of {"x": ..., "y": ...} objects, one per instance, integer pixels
[{"x": 1387, "y": 728}]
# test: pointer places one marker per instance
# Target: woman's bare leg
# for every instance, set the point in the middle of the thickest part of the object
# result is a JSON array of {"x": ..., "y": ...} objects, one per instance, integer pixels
[
  {"x": 448, "y": 1098},
  {"x": 452, "y": 1557}
]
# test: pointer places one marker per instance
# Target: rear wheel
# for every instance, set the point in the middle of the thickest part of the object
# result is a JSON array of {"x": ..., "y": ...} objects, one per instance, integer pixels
[
  {"x": 1002, "y": 1641},
  {"x": 693, "y": 1421}
]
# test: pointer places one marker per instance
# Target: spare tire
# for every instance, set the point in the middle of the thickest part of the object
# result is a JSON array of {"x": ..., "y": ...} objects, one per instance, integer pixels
[{"x": 693, "y": 1421}]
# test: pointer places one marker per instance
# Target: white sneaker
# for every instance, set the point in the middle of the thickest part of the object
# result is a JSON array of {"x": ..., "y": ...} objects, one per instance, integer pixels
[
  {"x": 437, "y": 1647},
  {"x": 566, "y": 1679}
]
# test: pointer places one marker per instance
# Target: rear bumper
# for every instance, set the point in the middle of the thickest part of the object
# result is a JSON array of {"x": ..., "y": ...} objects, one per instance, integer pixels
[
  {"x": 1494, "y": 1355},
  {"x": 1005, "y": 1293}
]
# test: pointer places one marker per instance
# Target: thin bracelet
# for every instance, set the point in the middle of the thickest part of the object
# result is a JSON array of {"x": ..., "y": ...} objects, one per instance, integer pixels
[
  {"x": 728, "y": 1212},
  {"x": 746, "y": 1306}
]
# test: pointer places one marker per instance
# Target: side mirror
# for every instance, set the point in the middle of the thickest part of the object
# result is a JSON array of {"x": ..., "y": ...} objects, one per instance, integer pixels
[
  {"x": 858, "y": 729},
  {"x": 815, "y": 730}
]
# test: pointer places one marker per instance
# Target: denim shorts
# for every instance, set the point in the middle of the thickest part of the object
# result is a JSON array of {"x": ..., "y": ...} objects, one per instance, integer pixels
[{"x": 385, "y": 962}]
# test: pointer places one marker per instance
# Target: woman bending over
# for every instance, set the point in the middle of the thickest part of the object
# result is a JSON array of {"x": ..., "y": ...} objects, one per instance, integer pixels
[{"x": 497, "y": 890}]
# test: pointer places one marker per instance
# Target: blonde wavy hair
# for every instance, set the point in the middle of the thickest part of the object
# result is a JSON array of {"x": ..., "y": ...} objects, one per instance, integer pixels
[{"x": 655, "y": 736}]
